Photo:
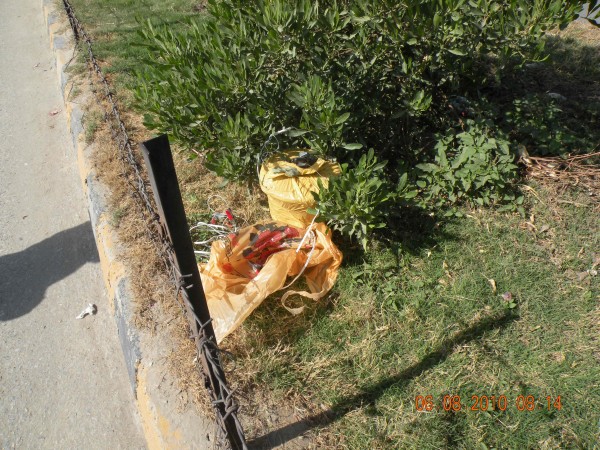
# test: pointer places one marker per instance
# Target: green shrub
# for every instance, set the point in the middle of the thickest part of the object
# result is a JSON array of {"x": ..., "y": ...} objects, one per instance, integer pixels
[
  {"x": 353, "y": 74},
  {"x": 538, "y": 122},
  {"x": 357, "y": 202},
  {"x": 474, "y": 165}
]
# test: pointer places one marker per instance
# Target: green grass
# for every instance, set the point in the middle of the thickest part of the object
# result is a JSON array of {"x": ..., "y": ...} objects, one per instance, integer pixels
[
  {"x": 93, "y": 122},
  {"x": 113, "y": 26},
  {"x": 425, "y": 321},
  {"x": 418, "y": 315}
]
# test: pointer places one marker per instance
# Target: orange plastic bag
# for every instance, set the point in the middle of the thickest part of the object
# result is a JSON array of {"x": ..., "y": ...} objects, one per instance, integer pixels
[
  {"x": 256, "y": 261},
  {"x": 289, "y": 187}
]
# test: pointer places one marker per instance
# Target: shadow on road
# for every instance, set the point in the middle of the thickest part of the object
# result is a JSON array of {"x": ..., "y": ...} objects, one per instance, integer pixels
[{"x": 25, "y": 275}]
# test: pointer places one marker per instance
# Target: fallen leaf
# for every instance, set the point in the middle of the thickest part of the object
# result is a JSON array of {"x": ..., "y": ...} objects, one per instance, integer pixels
[
  {"x": 571, "y": 274},
  {"x": 492, "y": 284},
  {"x": 543, "y": 229},
  {"x": 583, "y": 275},
  {"x": 446, "y": 268}
]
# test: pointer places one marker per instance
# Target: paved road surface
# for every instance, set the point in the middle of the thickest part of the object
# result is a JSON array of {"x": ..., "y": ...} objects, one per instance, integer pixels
[{"x": 63, "y": 383}]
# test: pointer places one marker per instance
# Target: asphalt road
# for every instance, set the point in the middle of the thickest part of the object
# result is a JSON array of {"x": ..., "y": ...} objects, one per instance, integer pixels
[{"x": 63, "y": 382}]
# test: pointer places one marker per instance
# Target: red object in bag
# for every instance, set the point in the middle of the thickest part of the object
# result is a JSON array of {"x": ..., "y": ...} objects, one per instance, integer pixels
[{"x": 239, "y": 275}]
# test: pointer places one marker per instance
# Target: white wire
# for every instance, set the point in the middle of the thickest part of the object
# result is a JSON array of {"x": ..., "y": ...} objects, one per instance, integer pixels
[
  {"x": 260, "y": 153},
  {"x": 308, "y": 229},
  {"x": 307, "y": 259},
  {"x": 215, "y": 196},
  {"x": 218, "y": 231},
  {"x": 214, "y": 226}
]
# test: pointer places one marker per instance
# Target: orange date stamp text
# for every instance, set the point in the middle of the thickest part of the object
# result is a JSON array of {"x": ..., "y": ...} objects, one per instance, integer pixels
[{"x": 427, "y": 403}]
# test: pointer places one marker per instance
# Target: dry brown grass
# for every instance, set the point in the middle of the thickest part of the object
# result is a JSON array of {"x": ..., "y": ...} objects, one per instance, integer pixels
[
  {"x": 202, "y": 191},
  {"x": 583, "y": 31},
  {"x": 566, "y": 173},
  {"x": 156, "y": 307}
]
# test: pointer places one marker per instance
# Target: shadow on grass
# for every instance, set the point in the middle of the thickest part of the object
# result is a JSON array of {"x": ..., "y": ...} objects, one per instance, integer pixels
[
  {"x": 572, "y": 70},
  {"x": 370, "y": 393},
  {"x": 553, "y": 107},
  {"x": 409, "y": 230}
]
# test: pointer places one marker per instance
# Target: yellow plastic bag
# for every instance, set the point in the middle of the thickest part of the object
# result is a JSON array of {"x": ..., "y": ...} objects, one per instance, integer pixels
[
  {"x": 257, "y": 261},
  {"x": 289, "y": 187}
]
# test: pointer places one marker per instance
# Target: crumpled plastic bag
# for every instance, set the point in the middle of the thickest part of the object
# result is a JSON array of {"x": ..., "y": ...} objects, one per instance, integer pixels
[
  {"x": 257, "y": 260},
  {"x": 289, "y": 186}
]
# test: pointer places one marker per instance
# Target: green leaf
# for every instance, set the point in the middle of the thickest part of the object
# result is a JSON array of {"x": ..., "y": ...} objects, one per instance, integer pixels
[
  {"x": 403, "y": 181},
  {"x": 352, "y": 146},
  {"x": 456, "y": 52},
  {"x": 341, "y": 119},
  {"x": 427, "y": 167},
  {"x": 296, "y": 132},
  {"x": 361, "y": 20}
]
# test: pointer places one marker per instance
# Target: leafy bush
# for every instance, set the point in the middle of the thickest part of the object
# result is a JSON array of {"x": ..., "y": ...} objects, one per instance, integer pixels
[
  {"x": 538, "y": 122},
  {"x": 355, "y": 74},
  {"x": 473, "y": 166},
  {"x": 356, "y": 202}
]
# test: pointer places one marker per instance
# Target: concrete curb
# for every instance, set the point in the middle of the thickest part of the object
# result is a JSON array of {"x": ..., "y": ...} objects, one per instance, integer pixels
[{"x": 164, "y": 424}]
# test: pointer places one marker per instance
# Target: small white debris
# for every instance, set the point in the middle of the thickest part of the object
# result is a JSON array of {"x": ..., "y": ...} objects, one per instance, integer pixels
[
  {"x": 533, "y": 66},
  {"x": 90, "y": 310}
]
